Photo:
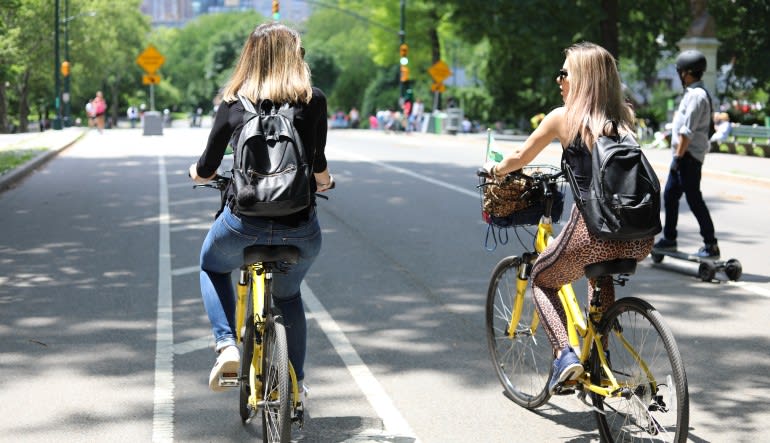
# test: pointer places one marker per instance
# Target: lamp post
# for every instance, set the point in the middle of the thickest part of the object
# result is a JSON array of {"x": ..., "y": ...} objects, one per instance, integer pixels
[
  {"x": 57, "y": 78},
  {"x": 402, "y": 35}
]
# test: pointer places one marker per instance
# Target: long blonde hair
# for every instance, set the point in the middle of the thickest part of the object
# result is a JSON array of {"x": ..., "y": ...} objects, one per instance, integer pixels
[
  {"x": 595, "y": 94},
  {"x": 271, "y": 66}
]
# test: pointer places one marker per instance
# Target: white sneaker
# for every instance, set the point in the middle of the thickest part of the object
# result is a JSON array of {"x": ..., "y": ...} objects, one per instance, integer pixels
[
  {"x": 298, "y": 414},
  {"x": 224, "y": 374}
]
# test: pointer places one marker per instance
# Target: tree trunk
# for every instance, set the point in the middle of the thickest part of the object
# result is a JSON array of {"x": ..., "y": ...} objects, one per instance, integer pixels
[
  {"x": 609, "y": 27},
  {"x": 3, "y": 109},
  {"x": 23, "y": 102}
]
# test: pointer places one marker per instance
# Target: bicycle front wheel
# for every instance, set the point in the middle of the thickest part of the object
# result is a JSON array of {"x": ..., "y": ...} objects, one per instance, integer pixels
[
  {"x": 520, "y": 350},
  {"x": 276, "y": 419},
  {"x": 653, "y": 403}
]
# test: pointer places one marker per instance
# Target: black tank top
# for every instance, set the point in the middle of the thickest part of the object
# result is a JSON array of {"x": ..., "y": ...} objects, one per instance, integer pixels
[{"x": 578, "y": 157}]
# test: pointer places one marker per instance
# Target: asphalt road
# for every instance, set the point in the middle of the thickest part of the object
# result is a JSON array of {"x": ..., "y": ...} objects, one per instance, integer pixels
[{"x": 103, "y": 336}]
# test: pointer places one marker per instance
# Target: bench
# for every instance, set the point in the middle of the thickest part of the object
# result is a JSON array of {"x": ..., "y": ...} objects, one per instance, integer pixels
[{"x": 754, "y": 139}]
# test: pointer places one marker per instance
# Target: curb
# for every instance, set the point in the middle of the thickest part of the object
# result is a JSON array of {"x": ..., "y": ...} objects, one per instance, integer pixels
[{"x": 10, "y": 179}]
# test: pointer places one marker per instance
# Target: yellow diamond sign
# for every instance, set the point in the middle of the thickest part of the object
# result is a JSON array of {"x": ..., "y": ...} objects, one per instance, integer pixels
[
  {"x": 150, "y": 59},
  {"x": 439, "y": 71}
]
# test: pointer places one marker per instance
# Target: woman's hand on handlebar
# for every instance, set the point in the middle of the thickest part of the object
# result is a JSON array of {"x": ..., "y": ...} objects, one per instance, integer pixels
[
  {"x": 193, "y": 174},
  {"x": 323, "y": 187}
]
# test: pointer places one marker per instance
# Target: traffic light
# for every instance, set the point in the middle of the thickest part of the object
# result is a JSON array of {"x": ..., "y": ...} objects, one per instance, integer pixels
[
  {"x": 65, "y": 68},
  {"x": 276, "y": 10},
  {"x": 404, "y": 73},
  {"x": 403, "y": 51}
]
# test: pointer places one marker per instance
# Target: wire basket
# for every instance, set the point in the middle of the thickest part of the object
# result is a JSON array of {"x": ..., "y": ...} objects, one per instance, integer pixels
[{"x": 519, "y": 200}]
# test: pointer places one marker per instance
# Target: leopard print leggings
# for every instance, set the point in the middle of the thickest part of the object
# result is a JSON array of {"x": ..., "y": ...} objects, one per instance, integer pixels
[{"x": 563, "y": 261}]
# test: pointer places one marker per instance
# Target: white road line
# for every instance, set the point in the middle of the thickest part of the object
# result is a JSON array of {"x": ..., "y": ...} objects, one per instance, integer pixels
[
  {"x": 422, "y": 177},
  {"x": 751, "y": 288},
  {"x": 163, "y": 397},
  {"x": 393, "y": 421},
  {"x": 187, "y": 270}
]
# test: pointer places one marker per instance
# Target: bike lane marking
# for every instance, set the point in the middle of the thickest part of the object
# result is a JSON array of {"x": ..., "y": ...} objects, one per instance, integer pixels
[
  {"x": 392, "y": 420},
  {"x": 394, "y": 423},
  {"x": 163, "y": 392}
]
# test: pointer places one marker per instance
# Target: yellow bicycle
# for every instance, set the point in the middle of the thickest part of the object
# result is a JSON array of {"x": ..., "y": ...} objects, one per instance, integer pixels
[
  {"x": 634, "y": 373},
  {"x": 267, "y": 380}
]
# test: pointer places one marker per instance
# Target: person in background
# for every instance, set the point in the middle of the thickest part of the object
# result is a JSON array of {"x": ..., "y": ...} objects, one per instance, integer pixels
[
  {"x": 99, "y": 110},
  {"x": 722, "y": 126},
  {"x": 689, "y": 145}
]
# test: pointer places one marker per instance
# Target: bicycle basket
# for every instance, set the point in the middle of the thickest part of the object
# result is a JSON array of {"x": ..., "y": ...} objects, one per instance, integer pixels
[{"x": 502, "y": 204}]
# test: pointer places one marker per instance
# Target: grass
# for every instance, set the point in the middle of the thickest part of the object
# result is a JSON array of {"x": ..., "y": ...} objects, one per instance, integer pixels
[{"x": 10, "y": 159}]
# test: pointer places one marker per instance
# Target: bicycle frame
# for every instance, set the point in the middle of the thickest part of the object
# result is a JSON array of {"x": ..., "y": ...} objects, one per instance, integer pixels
[
  {"x": 255, "y": 276},
  {"x": 578, "y": 328}
]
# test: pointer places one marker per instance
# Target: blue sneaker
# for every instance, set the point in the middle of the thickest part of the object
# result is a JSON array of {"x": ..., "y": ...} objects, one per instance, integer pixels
[
  {"x": 565, "y": 368},
  {"x": 708, "y": 251}
]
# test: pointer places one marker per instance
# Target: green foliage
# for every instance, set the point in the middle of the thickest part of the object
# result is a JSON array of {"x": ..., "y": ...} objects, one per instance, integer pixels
[
  {"x": 510, "y": 50},
  {"x": 382, "y": 93},
  {"x": 200, "y": 56}
]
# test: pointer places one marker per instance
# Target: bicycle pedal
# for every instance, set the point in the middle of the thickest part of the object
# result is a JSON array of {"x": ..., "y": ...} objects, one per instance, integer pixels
[
  {"x": 229, "y": 380},
  {"x": 564, "y": 391},
  {"x": 566, "y": 388}
]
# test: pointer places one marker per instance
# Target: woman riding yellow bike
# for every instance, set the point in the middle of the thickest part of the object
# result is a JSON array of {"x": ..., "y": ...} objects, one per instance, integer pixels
[
  {"x": 590, "y": 86},
  {"x": 271, "y": 66}
]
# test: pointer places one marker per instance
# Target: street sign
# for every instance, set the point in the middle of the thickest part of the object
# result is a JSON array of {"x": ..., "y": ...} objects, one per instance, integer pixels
[
  {"x": 150, "y": 59},
  {"x": 438, "y": 87},
  {"x": 439, "y": 71},
  {"x": 150, "y": 79}
]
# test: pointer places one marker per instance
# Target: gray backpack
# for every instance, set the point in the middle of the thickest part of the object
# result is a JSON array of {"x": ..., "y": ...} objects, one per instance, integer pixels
[{"x": 271, "y": 170}]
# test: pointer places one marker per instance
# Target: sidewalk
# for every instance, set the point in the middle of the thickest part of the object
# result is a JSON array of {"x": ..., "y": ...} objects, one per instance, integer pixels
[{"x": 46, "y": 144}]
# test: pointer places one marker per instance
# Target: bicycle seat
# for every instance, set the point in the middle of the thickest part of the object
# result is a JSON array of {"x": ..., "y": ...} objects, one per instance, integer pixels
[
  {"x": 271, "y": 254},
  {"x": 611, "y": 267}
]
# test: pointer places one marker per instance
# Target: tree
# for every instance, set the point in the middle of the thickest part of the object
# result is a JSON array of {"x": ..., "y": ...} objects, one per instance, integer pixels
[{"x": 200, "y": 55}]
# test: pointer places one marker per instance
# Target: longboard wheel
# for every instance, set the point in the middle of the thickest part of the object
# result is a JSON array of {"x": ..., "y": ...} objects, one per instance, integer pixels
[
  {"x": 706, "y": 271},
  {"x": 656, "y": 258},
  {"x": 733, "y": 269}
]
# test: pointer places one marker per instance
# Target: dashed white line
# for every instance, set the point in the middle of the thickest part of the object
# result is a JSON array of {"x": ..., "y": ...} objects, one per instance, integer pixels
[{"x": 163, "y": 394}]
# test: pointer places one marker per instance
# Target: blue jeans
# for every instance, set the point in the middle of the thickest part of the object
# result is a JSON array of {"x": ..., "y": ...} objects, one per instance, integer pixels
[
  {"x": 222, "y": 253},
  {"x": 686, "y": 181}
]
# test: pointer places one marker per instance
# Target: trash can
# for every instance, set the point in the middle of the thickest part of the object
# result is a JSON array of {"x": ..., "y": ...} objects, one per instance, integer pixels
[
  {"x": 436, "y": 122},
  {"x": 153, "y": 123},
  {"x": 454, "y": 120}
]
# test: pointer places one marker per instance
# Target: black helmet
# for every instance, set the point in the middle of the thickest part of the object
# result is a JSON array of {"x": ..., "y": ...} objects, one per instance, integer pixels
[{"x": 691, "y": 60}]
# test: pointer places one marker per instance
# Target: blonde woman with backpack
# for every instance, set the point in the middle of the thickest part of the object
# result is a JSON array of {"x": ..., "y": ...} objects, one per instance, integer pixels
[
  {"x": 271, "y": 67},
  {"x": 589, "y": 83}
]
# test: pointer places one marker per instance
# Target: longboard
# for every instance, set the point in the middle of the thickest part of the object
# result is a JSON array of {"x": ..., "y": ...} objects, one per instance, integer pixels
[{"x": 708, "y": 267}]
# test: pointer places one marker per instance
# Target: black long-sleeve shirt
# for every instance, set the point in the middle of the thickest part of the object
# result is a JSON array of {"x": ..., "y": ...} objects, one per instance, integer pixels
[{"x": 309, "y": 119}]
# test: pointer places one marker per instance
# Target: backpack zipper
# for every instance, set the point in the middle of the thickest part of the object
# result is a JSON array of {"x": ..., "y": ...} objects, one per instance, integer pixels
[{"x": 252, "y": 173}]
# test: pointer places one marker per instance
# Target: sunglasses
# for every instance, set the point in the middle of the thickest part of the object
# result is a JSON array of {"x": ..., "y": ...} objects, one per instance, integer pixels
[{"x": 562, "y": 74}]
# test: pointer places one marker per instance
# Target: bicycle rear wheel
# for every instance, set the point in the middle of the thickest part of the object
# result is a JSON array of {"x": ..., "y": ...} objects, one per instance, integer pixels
[
  {"x": 654, "y": 403},
  {"x": 522, "y": 359},
  {"x": 276, "y": 410}
]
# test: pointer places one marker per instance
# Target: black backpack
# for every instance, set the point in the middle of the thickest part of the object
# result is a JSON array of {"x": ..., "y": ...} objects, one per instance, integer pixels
[
  {"x": 271, "y": 171},
  {"x": 624, "y": 195}
]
